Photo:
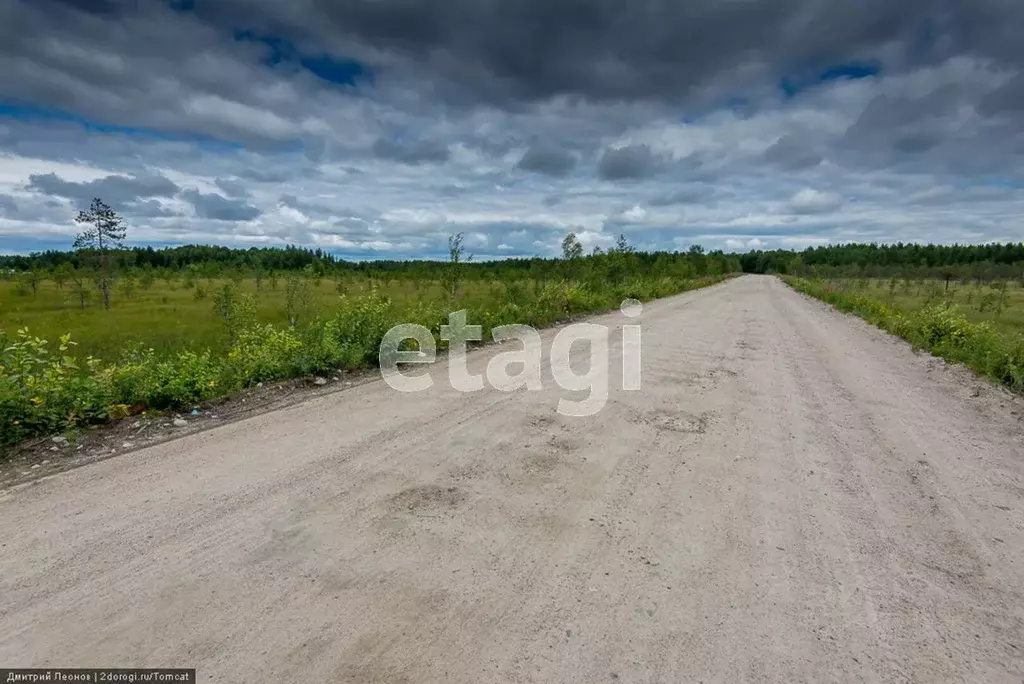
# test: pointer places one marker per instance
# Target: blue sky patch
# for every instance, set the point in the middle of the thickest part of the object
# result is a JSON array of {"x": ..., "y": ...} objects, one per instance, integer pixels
[
  {"x": 334, "y": 70},
  {"x": 339, "y": 72},
  {"x": 792, "y": 85},
  {"x": 32, "y": 114}
]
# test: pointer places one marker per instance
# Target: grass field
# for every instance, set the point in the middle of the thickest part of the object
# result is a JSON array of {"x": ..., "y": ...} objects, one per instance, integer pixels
[
  {"x": 978, "y": 302},
  {"x": 169, "y": 317}
]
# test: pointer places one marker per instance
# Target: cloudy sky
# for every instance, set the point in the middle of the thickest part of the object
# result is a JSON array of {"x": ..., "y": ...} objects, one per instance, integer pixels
[{"x": 375, "y": 128}]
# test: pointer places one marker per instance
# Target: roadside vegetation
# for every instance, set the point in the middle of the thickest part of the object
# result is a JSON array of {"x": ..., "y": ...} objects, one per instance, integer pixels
[
  {"x": 103, "y": 332},
  {"x": 964, "y": 303},
  {"x": 979, "y": 325}
]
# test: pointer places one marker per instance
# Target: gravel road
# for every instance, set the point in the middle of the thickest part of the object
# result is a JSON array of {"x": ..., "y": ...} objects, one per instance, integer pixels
[{"x": 793, "y": 496}]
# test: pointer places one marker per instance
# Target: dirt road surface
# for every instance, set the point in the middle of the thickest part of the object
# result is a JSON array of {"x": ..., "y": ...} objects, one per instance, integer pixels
[{"x": 793, "y": 496}]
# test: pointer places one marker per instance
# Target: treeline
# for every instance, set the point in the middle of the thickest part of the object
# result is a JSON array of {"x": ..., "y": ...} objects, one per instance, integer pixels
[
  {"x": 981, "y": 262},
  {"x": 206, "y": 261},
  {"x": 989, "y": 261},
  {"x": 289, "y": 258}
]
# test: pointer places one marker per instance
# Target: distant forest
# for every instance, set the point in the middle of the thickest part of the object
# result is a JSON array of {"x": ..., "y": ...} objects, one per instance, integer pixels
[
  {"x": 983, "y": 262},
  {"x": 993, "y": 261},
  {"x": 211, "y": 261}
]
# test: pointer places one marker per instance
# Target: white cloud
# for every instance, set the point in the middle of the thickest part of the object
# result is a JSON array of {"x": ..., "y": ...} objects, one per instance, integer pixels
[
  {"x": 810, "y": 201},
  {"x": 637, "y": 213}
]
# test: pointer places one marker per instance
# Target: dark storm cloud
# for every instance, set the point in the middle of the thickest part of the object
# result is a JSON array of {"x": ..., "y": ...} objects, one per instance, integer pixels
[
  {"x": 117, "y": 191},
  {"x": 534, "y": 49},
  {"x": 886, "y": 113},
  {"x": 38, "y": 210},
  {"x": 420, "y": 152},
  {"x": 216, "y": 69},
  {"x": 141, "y": 65},
  {"x": 213, "y": 206},
  {"x": 8, "y": 207},
  {"x": 631, "y": 162},
  {"x": 914, "y": 143},
  {"x": 266, "y": 175},
  {"x": 792, "y": 153},
  {"x": 93, "y": 6},
  {"x": 149, "y": 208},
  {"x": 489, "y": 50},
  {"x": 321, "y": 209},
  {"x": 548, "y": 160},
  {"x": 940, "y": 127},
  {"x": 685, "y": 195},
  {"x": 1008, "y": 99},
  {"x": 232, "y": 187}
]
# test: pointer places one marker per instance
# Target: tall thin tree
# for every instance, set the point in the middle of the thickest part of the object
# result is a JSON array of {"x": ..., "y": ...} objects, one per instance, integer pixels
[
  {"x": 107, "y": 231},
  {"x": 456, "y": 256},
  {"x": 571, "y": 247}
]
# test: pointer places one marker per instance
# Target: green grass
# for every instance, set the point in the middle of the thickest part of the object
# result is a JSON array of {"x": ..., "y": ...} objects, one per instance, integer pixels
[
  {"x": 913, "y": 295},
  {"x": 168, "y": 318}
]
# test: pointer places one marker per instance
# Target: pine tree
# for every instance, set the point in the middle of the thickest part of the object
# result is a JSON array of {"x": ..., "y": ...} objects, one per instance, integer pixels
[{"x": 107, "y": 232}]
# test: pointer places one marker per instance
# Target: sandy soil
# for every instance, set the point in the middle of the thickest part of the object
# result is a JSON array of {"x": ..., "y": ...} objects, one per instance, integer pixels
[{"x": 794, "y": 496}]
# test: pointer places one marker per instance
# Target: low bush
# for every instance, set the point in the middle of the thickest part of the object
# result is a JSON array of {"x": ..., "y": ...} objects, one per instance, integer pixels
[
  {"x": 263, "y": 353},
  {"x": 42, "y": 391}
]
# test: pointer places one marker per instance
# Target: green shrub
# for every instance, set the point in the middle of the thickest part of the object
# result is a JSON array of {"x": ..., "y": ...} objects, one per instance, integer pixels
[
  {"x": 350, "y": 339},
  {"x": 236, "y": 310},
  {"x": 262, "y": 353},
  {"x": 134, "y": 378},
  {"x": 141, "y": 379},
  {"x": 187, "y": 378},
  {"x": 41, "y": 391},
  {"x": 360, "y": 324}
]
